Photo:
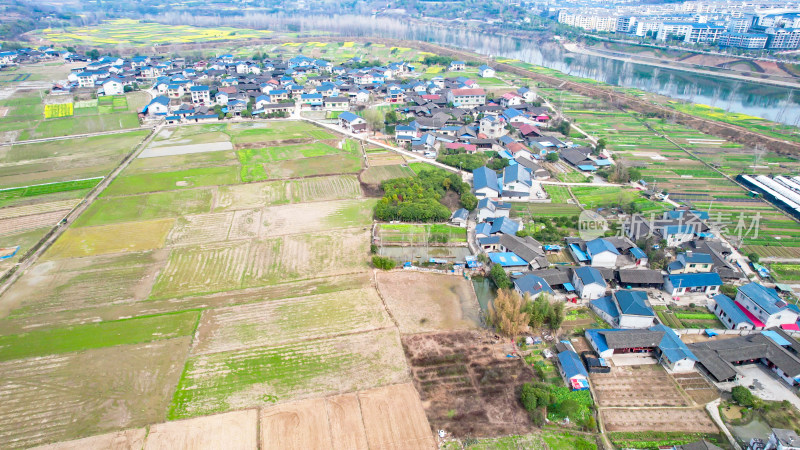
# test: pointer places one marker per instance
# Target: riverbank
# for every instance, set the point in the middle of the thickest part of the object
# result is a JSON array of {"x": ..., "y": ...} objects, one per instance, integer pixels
[{"x": 678, "y": 65}]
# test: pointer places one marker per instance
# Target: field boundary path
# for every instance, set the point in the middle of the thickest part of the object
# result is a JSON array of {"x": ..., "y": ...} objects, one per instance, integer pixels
[
  {"x": 71, "y": 136},
  {"x": 38, "y": 250}
]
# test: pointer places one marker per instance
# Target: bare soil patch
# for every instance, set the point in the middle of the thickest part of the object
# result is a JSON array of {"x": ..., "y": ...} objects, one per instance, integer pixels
[
  {"x": 19, "y": 224},
  {"x": 467, "y": 384},
  {"x": 387, "y": 417},
  {"x": 293, "y": 319},
  {"x": 697, "y": 387},
  {"x": 424, "y": 302},
  {"x": 645, "y": 385},
  {"x": 120, "y": 440},
  {"x": 658, "y": 419},
  {"x": 233, "y": 430}
]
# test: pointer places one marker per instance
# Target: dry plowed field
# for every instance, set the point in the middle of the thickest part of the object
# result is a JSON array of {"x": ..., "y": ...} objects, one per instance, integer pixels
[
  {"x": 423, "y": 302},
  {"x": 61, "y": 396},
  {"x": 390, "y": 417},
  {"x": 382, "y": 418},
  {"x": 37, "y": 208},
  {"x": 24, "y": 223},
  {"x": 694, "y": 420},
  {"x": 280, "y": 321},
  {"x": 467, "y": 384},
  {"x": 239, "y": 264},
  {"x": 274, "y": 221},
  {"x": 647, "y": 385},
  {"x": 70, "y": 285},
  {"x": 697, "y": 387}
]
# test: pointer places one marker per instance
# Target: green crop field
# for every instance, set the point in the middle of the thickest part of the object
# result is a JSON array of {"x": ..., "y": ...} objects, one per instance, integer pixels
[
  {"x": 48, "y": 188},
  {"x": 180, "y": 179},
  {"x": 97, "y": 335},
  {"x": 420, "y": 233},
  {"x": 157, "y": 205}
]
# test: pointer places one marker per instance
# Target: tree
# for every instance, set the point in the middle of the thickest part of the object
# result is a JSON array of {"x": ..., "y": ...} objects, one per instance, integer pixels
[
  {"x": 556, "y": 316},
  {"x": 93, "y": 53},
  {"x": 506, "y": 313},
  {"x": 539, "y": 311},
  {"x": 500, "y": 277},
  {"x": 743, "y": 396},
  {"x": 374, "y": 118},
  {"x": 552, "y": 157},
  {"x": 729, "y": 290},
  {"x": 469, "y": 201},
  {"x": 382, "y": 262},
  {"x": 753, "y": 257},
  {"x": 568, "y": 407}
]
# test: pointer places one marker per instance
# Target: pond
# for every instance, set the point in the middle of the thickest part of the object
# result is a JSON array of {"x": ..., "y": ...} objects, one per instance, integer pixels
[
  {"x": 755, "y": 429},
  {"x": 420, "y": 254}
]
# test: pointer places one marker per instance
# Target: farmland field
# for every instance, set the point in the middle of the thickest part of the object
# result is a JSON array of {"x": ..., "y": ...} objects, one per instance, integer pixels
[
  {"x": 422, "y": 302},
  {"x": 56, "y": 110},
  {"x": 271, "y": 272},
  {"x": 135, "y": 33},
  {"x": 242, "y": 378}
]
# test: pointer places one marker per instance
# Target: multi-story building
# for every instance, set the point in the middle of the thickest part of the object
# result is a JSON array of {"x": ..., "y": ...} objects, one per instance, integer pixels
[
  {"x": 743, "y": 40},
  {"x": 783, "y": 38}
]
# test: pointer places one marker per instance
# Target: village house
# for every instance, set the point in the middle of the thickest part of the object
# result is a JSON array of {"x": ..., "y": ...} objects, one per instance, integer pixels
[
  {"x": 624, "y": 309},
  {"x": 352, "y": 122},
  {"x": 589, "y": 283}
]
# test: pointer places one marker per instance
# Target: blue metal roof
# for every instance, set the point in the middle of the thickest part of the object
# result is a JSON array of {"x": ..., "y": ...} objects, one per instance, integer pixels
[
  {"x": 348, "y": 116},
  {"x": 582, "y": 257},
  {"x": 484, "y": 177},
  {"x": 679, "y": 229},
  {"x": 489, "y": 240},
  {"x": 762, "y": 296},
  {"x": 600, "y": 245},
  {"x": 504, "y": 225},
  {"x": 518, "y": 173},
  {"x": 679, "y": 213},
  {"x": 533, "y": 285},
  {"x": 589, "y": 275},
  {"x": 696, "y": 258},
  {"x": 507, "y": 259},
  {"x": 483, "y": 228},
  {"x": 638, "y": 253},
  {"x": 572, "y": 365},
  {"x": 632, "y": 303},
  {"x": 671, "y": 345},
  {"x": 460, "y": 213},
  {"x": 587, "y": 167},
  {"x": 607, "y": 305},
  {"x": 777, "y": 338},
  {"x": 688, "y": 280}
]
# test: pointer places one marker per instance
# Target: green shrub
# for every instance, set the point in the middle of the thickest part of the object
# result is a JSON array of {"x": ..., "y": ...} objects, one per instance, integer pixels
[
  {"x": 382, "y": 262},
  {"x": 743, "y": 396}
]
